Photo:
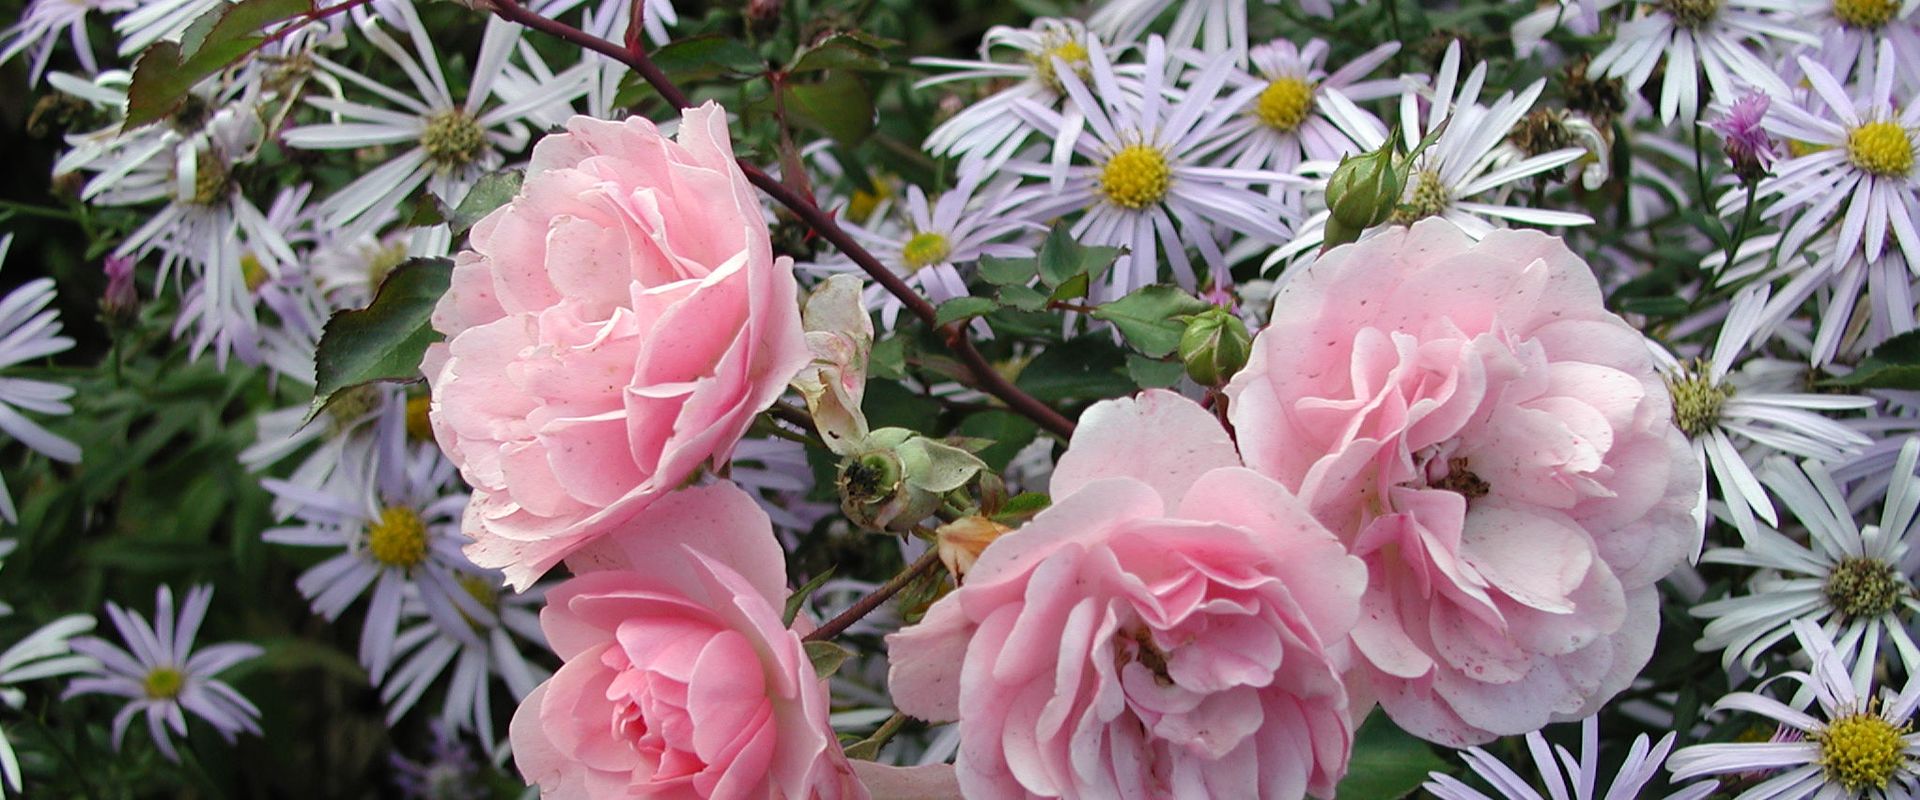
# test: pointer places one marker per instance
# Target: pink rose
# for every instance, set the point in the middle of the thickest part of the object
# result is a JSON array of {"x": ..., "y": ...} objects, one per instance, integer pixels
[
  {"x": 616, "y": 325},
  {"x": 1500, "y": 451},
  {"x": 680, "y": 679},
  {"x": 1172, "y": 627}
]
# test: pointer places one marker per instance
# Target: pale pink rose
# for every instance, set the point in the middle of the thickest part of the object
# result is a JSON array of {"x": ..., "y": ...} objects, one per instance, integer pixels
[
  {"x": 679, "y": 679},
  {"x": 615, "y": 326},
  {"x": 1173, "y": 626},
  {"x": 1500, "y": 451}
]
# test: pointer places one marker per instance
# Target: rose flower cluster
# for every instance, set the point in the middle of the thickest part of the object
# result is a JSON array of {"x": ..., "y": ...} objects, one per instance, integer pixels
[{"x": 1444, "y": 485}]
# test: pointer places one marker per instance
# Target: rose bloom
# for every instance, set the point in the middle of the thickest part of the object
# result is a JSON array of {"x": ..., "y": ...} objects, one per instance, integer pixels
[
  {"x": 680, "y": 680},
  {"x": 1500, "y": 451},
  {"x": 1173, "y": 626},
  {"x": 616, "y": 325}
]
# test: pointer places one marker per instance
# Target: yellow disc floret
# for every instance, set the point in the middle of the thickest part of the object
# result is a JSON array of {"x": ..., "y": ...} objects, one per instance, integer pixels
[
  {"x": 1696, "y": 401},
  {"x": 1071, "y": 52},
  {"x": 1862, "y": 750},
  {"x": 1284, "y": 104},
  {"x": 398, "y": 538},
  {"x": 419, "y": 425},
  {"x": 163, "y": 683},
  {"x": 1863, "y": 588},
  {"x": 453, "y": 139},
  {"x": 1692, "y": 13},
  {"x": 1429, "y": 197},
  {"x": 1881, "y": 148},
  {"x": 1135, "y": 177},
  {"x": 1864, "y": 14},
  {"x": 925, "y": 249}
]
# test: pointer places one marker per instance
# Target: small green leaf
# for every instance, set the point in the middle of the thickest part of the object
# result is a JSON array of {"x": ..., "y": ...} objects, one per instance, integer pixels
[
  {"x": 1008, "y": 271},
  {"x": 840, "y": 106},
  {"x": 1022, "y": 507},
  {"x": 427, "y": 211},
  {"x": 1062, "y": 258},
  {"x": 493, "y": 190},
  {"x": 1387, "y": 763},
  {"x": 1007, "y": 431},
  {"x": 1087, "y": 368},
  {"x": 1148, "y": 317},
  {"x": 703, "y": 58},
  {"x": 799, "y": 597},
  {"x": 1895, "y": 364},
  {"x": 888, "y": 361},
  {"x": 166, "y": 72},
  {"x": 962, "y": 308},
  {"x": 1072, "y": 288},
  {"x": 385, "y": 340},
  {"x": 826, "y": 657},
  {"x": 840, "y": 51},
  {"x": 1025, "y": 298},
  {"x": 1153, "y": 373}
]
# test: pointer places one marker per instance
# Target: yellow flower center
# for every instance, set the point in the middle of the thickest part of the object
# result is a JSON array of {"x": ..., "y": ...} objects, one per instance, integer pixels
[
  {"x": 419, "y": 426},
  {"x": 163, "y": 683},
  {"x": 1862, "y": 750},
  {"x": 210, "y": 179},
  {"x": 1136, "y": 177},
  {"x": 398, "y": 538},
  {"x": 1696, "y": 401},
  {"x": 861, "y": 206},
  {"x": 1881, "y": 148},
  {"x": 1068, "y": 51},
  {"x": 384, "y": 261},
  {"x": 1797, "y": 148},
  {"x": 349, "y": 405},
  {"x": 925, "y": 249},
  {"x": 253, "y": 272},
  {"x": 1284, "y": 104},
  {"x": 1691, "y": 13},
  {"x": 1867, "y": 14},
  {"x": 453, "y": 139},
  {"x": 1863, "y": 588},
  {"x": 1429, "y": 197}
]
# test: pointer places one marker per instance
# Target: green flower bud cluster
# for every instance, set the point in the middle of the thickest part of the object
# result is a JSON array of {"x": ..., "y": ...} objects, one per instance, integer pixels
[
  {"x": 1214, "y": 346},
  {"x": 1365, "y": 189},
  {"x": 900, "y": 478}
]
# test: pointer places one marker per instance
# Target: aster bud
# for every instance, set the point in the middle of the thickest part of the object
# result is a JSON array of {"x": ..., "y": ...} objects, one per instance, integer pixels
[
  {"x": 121, "y": 300},
  {"x": 1214, "y": 346},
  {"x": 961, "y": 541}
]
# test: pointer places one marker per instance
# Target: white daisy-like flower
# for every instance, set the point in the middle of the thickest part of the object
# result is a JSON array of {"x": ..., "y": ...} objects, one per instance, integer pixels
[
  {"x": 43, "y": 25},
  {"x": 1288, "y": 122},
  {"x": 396, "y": 523},
  {"x": 1836, "y": 285},
  {"x": 1578, "y": 17},
  {"x": 1566, "y": 777},
  {"x": 608, "y": 19},
  {"x": 160, "y": 674},
  {"x": 1859, "y": 745},
  {"x": 1866, "y": 157},
  {"x": 485, "y": 648},
  {"x": 1219, "y": 25},
  {"x": 1469, "y": 170},
  {"x": 150, "y": 21},
  {"x": 1141, "y": 179},
  {"x": 1715, "y": 37},
  {"x": 1851, "y": 32},
  {"x": 226, "y": 315},
  {"x": 1723, "y": 411},
  {"x": 1853, "y": 581},
  {"x": 988, "y": 128},
  {"x": 47, "y": 652},
  {"x": 30, "y": 330},
  {"x": 935, "y": 240},
  {"x": 440, "y": 142}
]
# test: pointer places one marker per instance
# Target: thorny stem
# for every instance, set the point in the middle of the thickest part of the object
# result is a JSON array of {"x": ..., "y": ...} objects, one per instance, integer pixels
[
  {"x": 866, "y": 605},
  {"x": 983, "y": 375}
]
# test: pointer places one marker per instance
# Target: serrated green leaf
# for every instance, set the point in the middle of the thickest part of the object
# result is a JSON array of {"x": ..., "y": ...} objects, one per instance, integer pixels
[
  {"x": 1148, "y": 317},
  {"x": 1087, "y": 368},
  {"x": 1007, "y": 431},
  {"x": 962, "y": 308},
  {"x": 1008, "y": 271},
  {"x": 703, "y": 58},
  {"x": 1895, "y": 364},
  {"x": 1022, "y": 506},
  {"x": 1073, "y": 288},
  {"x": 166, "y": 72},
  {"x": 493, "y": 190},
  {"x": 1025, "y": 298},
  {"x": 799, "y": 597},
  {"x": 840, "y": 106},
  {"x": 840, "y": 51},
  {"x": 1387, "y": 763},
  {"x": 1153, "y": 373},
  {"x": 826, "y": 657},
  {"x": 1062, "y": 258},
  {"x": 888, "y": 361},
  {"x": 385, "y": 340}
]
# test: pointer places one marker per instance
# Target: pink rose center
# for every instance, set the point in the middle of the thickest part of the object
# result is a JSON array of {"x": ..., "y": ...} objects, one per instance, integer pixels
[{"x": 650, "y": 715}]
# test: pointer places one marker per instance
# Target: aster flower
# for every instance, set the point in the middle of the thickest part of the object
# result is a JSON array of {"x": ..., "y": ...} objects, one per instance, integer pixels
[
  {"x": 396, "y": 523},
  {"x": 41, "y": 27},
  {"x": 30, "y": 330},
  {"x": 1853, "y": 581},
  {"x": 452, "y": 142},
  {"x": 1700, "y": 36},
  {"x": 1220, "y": 25},
  {"x": 162, "y": 676},
  {"x": 1858, "y": 745},
  {"x": 1746, "y": 142},
  {"x": 1141, "y": 182},
  {"x": 1287, "y": 122},
  {"x": 1722, "y": 411},
  {"x": 1566, "y": 777},
  {"x": 988, "y": 128},
  {"x": 1851, "y": 31},
  {"x": 1864, "y": 156},
  {"x": 481, "y": 648},
  {"x": 44, "y": 653},
  {"x": 966, "y": 223},
  {"x": 152, "y": 20}
]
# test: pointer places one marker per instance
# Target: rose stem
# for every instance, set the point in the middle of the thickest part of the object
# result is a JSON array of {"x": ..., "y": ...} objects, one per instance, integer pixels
[
  {"x": 984, "y": 376},
  {"x": 867, "y": 604}
]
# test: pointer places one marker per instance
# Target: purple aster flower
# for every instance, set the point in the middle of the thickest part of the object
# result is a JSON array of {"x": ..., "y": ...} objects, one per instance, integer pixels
[{"x": 1748, "y": 145}]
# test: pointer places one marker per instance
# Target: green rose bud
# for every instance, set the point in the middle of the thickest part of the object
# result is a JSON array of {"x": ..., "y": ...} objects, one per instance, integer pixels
[
  {"x": 1362, "y": 193},
  {"x": 1214, "y": 346},
  {"x": 900, "y": 478}
]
